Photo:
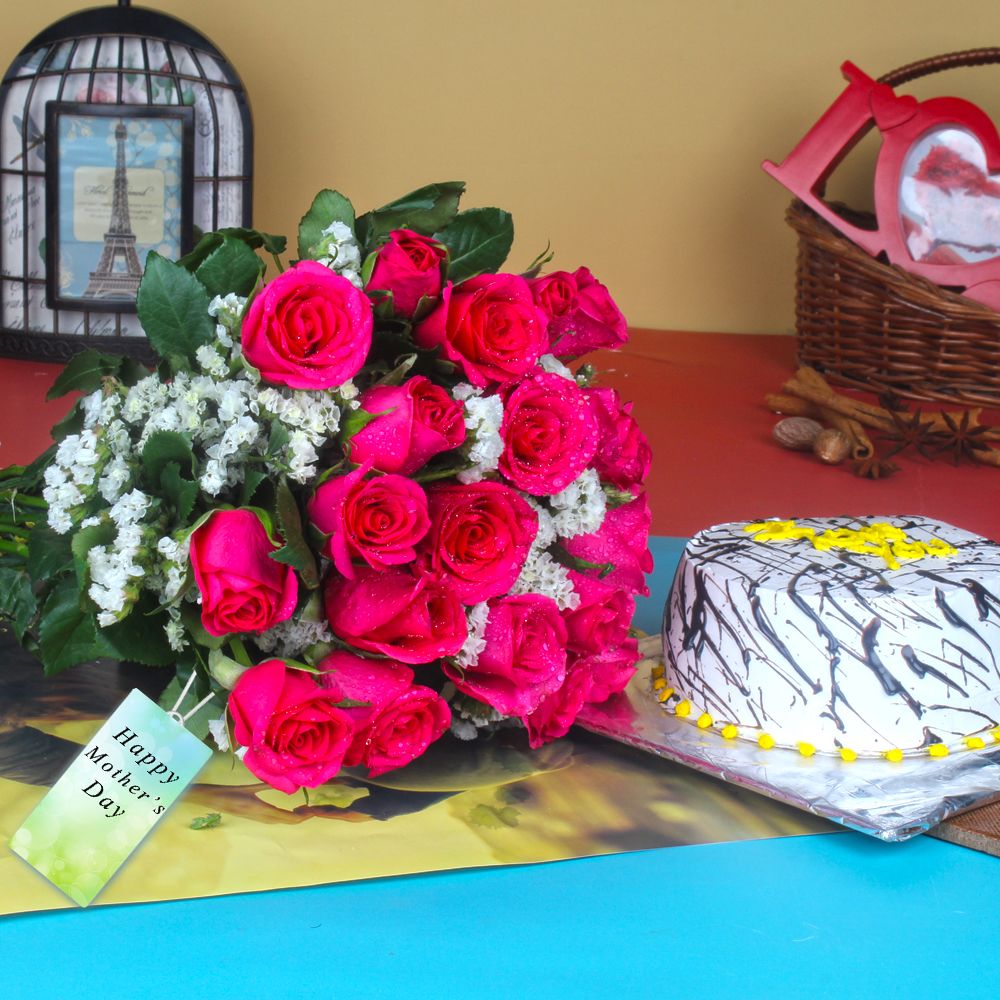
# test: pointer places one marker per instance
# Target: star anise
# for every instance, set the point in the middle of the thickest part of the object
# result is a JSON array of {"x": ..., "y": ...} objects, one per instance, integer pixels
[
  {"x": 963, "y": 438},
  {"x": 874, "y": 468},
  {"x": 891, "y": 400},
  {"x": 910, "y": 430}
]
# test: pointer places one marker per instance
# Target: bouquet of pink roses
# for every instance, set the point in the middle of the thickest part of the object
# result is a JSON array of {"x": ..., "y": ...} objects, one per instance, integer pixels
[{"x": 355, "y": 505}]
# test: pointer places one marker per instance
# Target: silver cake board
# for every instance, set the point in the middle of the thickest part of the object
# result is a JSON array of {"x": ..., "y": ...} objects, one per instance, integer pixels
[{"x": 890, "y": 801}]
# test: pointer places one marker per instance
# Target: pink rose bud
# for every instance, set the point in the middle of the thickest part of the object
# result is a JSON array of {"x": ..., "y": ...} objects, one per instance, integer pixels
[
  {"x": 602, "y": 618},
  {"x": 595, "y": 322},
  {"x": 401, "y": 718},
  {"x": 293, "y": 731},
  {"x": 308, "y": 328},
  {"x": 479, "y": 538},
  {"x": 417, "y": 421},
  {"x": 379, "y": 520},
  {"x": 555, "y": 294},
  {"x": 524, "y": 658},
  {"x": 623, "y": 541},
  {"x": 610, "y": 669},
  {"x": 558, "y": 711},
  {"x": 242, "y": 588},
  {"x": 489, "y": 326},
  {"x": 549, "y": 434},
  {"x": 409, "y": 266},
  {"x": 623, "y": 456},
  {"x": 413, "y": 619}
]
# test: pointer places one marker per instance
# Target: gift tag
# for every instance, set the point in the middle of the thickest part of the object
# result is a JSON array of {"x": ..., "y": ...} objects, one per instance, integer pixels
[{"x": 128, "y": 775}]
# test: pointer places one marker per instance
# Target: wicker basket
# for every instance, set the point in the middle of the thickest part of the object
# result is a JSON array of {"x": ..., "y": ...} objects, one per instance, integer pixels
[{"x": 875, "y": 326}]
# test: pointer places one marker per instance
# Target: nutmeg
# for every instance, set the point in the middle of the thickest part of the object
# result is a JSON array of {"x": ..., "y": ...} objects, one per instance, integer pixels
[
  {"x": 797, "y": 433},
  {"x": 831, "y": 446}
]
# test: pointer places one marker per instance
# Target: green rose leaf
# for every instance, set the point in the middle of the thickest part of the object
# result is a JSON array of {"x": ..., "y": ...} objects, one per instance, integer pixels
[
  {"x": 296, "y": 552},
  {"x": 255, "y": 239},
  {"x": 356, "y": 421},
  {"x": 139, "y": 637},
  {"x": 177, "y": 490},
  {"x": 327, "y": 207},
  {"x": 48, "y": 553},
  {"x": 67, "y": 634},
  {"x": 425, "y": 210},
  {"x": 206, "y": 822},
  {"x": 230, "y": 267},
  {"x": 173, "y": 309},
  {"x": 478, "y": 242},
  {"x": 17, "y": 598},
  {"x": 84, "y": 373},
  {"x": 162, "y": 448},
  {"x": 251, "y": 481}
]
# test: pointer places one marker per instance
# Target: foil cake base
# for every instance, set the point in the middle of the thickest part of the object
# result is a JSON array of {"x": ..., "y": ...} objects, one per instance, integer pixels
[{"x": 891, "y": 801}]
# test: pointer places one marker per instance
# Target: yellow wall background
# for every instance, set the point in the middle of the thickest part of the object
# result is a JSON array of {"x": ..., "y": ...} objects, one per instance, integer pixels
[{"x": 628, "y": 133}]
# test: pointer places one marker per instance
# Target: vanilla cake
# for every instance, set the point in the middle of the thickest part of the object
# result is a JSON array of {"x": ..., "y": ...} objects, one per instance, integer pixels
[{"x": 873, "y": 636}]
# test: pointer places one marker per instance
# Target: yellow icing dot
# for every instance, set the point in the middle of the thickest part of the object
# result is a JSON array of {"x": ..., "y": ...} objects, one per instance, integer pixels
[
  {"x": 657, "y": 671},
  {"x": 895, "y": 755},
  {"x": 879, "y": 539},
  {"x": 846, "y": 753},
  {"x": 937, "y": 750},
  {"x": 683, "y": 708},
  {"x": 704, "y": 720},
  {"x": 659, "y": 684},
  {"x": 730, "y": 732},
  {"x": 806, "y": 749},
  {"x": 765, "y": 741},
  {"x": 666, "y": 694},
  {"x": 995, "y": 733},
  {"x": 975, "y": 742}
]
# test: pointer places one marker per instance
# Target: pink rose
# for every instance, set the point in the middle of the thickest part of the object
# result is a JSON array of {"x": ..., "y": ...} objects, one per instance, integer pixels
[
  {"x": 602, "y": 618},
  {"x": 293, "y": 731},
  {"x": 379, "y": 520},
  {"x": 623, "y": 455},
  {"x": 610, "y": 669},
  {"x": 308, "y": 328},
  {"x": 242, "y": 588},
  {"x": 489, "y": 326},
  {"x": 418, "y": 421},
  {"x": 409, "y": 266},
  {"x": 479, "y": 538},
  {"x": 622, "y": 541},
  {"x": 401, "y": 720},
  {"x": 558, "y": 711},
  {"x": 555, "y": 293},
  {"x": 595, "y": 321},
  {"x": 524, "y": 658},
  {"x": 549, "y": 434},
  {"x": 407, "y": 618}
]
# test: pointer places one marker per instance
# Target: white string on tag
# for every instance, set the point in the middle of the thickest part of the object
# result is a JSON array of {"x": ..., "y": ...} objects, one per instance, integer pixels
[{"x": 175, "y": 713}]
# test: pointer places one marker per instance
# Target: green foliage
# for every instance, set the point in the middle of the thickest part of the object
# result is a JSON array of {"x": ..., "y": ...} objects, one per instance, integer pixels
[
  {"x": 296, "y": 552},
  {"x": 139, "y": 637},
  {"x": 208, "y": 243},
  {"x": 426, "y": 210},
  {"x": 162, "y": 448},
  {"x": 327, "y": 207},
  {"x": 478, "y": 242},
  {"x": 231, "y": 267},
  {"x": 86, "y": 371},
  {"x": 17, "y": 598},
  {"x": 206, "y": 822},
  {"x": 67, "y": 634},
  {"x": 356, "y": 421},
  {"x": 48, "y": 553},
  {"x": 173, "y": 309}
]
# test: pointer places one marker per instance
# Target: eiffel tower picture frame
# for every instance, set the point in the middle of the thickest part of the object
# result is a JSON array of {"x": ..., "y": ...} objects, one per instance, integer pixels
[{"x": 119, "y": 183}]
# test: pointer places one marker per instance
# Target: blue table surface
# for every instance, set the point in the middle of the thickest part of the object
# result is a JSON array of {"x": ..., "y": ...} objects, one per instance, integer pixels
[{"x": 835, "y": 915}]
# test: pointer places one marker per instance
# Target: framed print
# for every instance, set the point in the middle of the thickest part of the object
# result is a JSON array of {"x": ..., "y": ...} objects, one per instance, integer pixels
[{"x": 119, "y": 183}]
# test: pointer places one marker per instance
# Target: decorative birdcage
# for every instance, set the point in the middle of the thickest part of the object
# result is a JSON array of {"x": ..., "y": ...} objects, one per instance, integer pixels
[{"x": 122, "y": 130}]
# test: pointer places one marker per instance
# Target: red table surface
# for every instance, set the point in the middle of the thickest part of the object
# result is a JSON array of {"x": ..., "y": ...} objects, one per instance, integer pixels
[{"x": 699, "y": 398}]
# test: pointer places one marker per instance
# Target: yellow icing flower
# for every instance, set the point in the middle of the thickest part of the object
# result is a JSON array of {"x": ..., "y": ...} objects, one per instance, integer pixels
[
  {"x": 995, "y": 733},
  {"x": 730, "y": 732},
  {"x": 683, "y": 708},
  {"x": 975, "y": 742},
  {"x": 659, "y": 684},
  {"x": 895, "y": 755},
  {"x": 666, "y": 694},
  {"x": 847, "y": 754},
  {"x": 704, "y": 720},
  {"x": 765, "y": 741},
  {"x": 658, "y": 671},
  {"x": 937, "y": 750},
  {"x": 806, "y": 749}
]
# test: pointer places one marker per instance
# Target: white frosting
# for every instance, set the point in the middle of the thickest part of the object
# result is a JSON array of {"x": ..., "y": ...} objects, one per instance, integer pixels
[{"x": 833, "y": 648}]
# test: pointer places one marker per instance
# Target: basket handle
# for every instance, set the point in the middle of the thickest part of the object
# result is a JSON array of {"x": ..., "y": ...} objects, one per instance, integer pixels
[{"x": 935, "y": 64}]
